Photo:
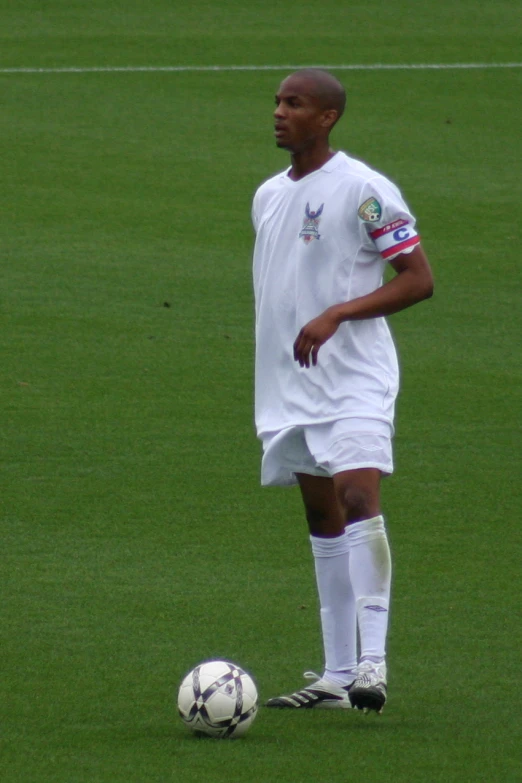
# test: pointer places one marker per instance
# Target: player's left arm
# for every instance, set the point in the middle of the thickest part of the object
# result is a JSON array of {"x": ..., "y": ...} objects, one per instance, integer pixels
[{"x": 412, "y": 283}]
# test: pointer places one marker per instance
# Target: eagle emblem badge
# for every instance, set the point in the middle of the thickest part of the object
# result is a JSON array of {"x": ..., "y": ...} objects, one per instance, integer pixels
[{"x": 310, "y": 224}]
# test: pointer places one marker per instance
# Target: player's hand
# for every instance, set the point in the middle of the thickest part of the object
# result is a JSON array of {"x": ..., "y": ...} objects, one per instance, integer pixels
[{"x": 313, "y": 335}]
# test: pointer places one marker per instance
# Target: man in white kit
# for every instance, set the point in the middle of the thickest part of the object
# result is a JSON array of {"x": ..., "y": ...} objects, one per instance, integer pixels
[{"x": 327, "y": 374}]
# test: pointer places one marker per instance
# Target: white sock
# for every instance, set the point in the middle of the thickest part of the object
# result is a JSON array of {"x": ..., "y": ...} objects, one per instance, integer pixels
[
  {"x": 338, "y": 614},
  {"x": 370, "y": 574}
]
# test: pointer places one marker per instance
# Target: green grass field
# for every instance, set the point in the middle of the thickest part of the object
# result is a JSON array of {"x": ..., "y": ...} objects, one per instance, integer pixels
[{"x": 136, "y": 538}]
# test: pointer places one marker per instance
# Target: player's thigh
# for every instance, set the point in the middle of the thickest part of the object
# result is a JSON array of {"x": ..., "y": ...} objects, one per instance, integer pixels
[{"x": 323, "y": 512}]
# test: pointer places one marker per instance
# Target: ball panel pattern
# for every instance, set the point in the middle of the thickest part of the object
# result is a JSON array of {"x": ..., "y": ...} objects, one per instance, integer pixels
[{"x": 219, "y": 699}]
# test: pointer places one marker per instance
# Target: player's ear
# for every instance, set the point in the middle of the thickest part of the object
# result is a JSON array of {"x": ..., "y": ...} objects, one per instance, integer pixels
[{"x": 330, "y": 117}]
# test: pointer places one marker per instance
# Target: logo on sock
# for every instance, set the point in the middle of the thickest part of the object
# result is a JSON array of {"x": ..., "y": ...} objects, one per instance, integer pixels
[{"x": 376, "y": 608}]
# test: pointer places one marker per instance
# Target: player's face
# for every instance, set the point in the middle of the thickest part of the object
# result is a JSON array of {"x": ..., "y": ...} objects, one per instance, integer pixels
[{"x": 298, "y": 116}]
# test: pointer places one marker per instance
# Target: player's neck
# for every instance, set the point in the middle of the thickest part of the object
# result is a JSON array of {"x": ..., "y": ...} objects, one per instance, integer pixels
[{"x": 309, "y": 160}]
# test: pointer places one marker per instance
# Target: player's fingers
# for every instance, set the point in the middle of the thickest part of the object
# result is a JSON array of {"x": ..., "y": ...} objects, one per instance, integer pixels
[
  {"x": 297, "y": 346},
  {"x": 307, "y": 353},
  {"x": 304, "y": 348}
]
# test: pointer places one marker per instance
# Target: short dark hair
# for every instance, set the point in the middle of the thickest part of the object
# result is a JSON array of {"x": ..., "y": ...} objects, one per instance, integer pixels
[{"x": 326, "y": 88}]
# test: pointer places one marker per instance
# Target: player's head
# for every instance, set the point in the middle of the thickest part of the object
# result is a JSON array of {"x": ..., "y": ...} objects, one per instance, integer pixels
[{"x": 308, "y": 104}]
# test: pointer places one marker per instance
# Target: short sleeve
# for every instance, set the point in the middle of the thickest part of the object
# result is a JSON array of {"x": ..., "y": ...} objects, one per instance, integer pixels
[
  {"x": 386, "y": 221},
  {"x": 255, "y": 211}
]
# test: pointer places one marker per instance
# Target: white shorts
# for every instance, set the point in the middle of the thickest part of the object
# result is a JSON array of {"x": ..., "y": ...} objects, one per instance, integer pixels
[{"x": 325, "y": 449}]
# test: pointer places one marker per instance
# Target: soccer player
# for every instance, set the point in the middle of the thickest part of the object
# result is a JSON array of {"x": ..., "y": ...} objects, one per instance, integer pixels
[{"x": 327, "y": 374}]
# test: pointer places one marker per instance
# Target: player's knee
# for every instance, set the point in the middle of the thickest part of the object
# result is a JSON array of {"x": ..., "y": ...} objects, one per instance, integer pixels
[
  {"x": 357, "y": 503},
  {"x": 315, "y": 517},
  {"x": 320, "y": 523}
]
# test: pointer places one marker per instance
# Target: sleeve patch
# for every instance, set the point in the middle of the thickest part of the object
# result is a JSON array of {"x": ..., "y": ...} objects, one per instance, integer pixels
[
  {"x": 394, "y": 238},
  {"x": 370, "y": 211}
]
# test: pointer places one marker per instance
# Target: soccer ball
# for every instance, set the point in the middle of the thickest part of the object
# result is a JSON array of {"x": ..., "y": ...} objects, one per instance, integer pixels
[{"x": 219, "y": 699}]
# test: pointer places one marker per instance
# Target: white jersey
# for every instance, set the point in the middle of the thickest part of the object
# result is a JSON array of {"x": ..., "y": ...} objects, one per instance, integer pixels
[{"x": 323, "y": 240}]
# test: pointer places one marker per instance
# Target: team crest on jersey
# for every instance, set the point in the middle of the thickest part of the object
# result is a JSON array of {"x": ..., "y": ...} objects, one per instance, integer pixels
[
  {"x": 370, "y": 211},
  {"x": 310, "y": 223}
]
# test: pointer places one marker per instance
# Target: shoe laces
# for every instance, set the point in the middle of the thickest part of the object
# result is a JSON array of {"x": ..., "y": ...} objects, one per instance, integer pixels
[
  {"x": 369, "y": 668},
  {"x": 312, "y": 676}
]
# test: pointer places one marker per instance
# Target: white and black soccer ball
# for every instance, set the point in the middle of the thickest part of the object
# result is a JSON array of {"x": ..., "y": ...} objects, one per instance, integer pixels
[{"x": 219, "y": 699}]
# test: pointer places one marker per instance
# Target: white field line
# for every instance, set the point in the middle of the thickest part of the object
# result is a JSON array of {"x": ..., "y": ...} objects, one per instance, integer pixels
[{"x": 210, "y": 68}]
